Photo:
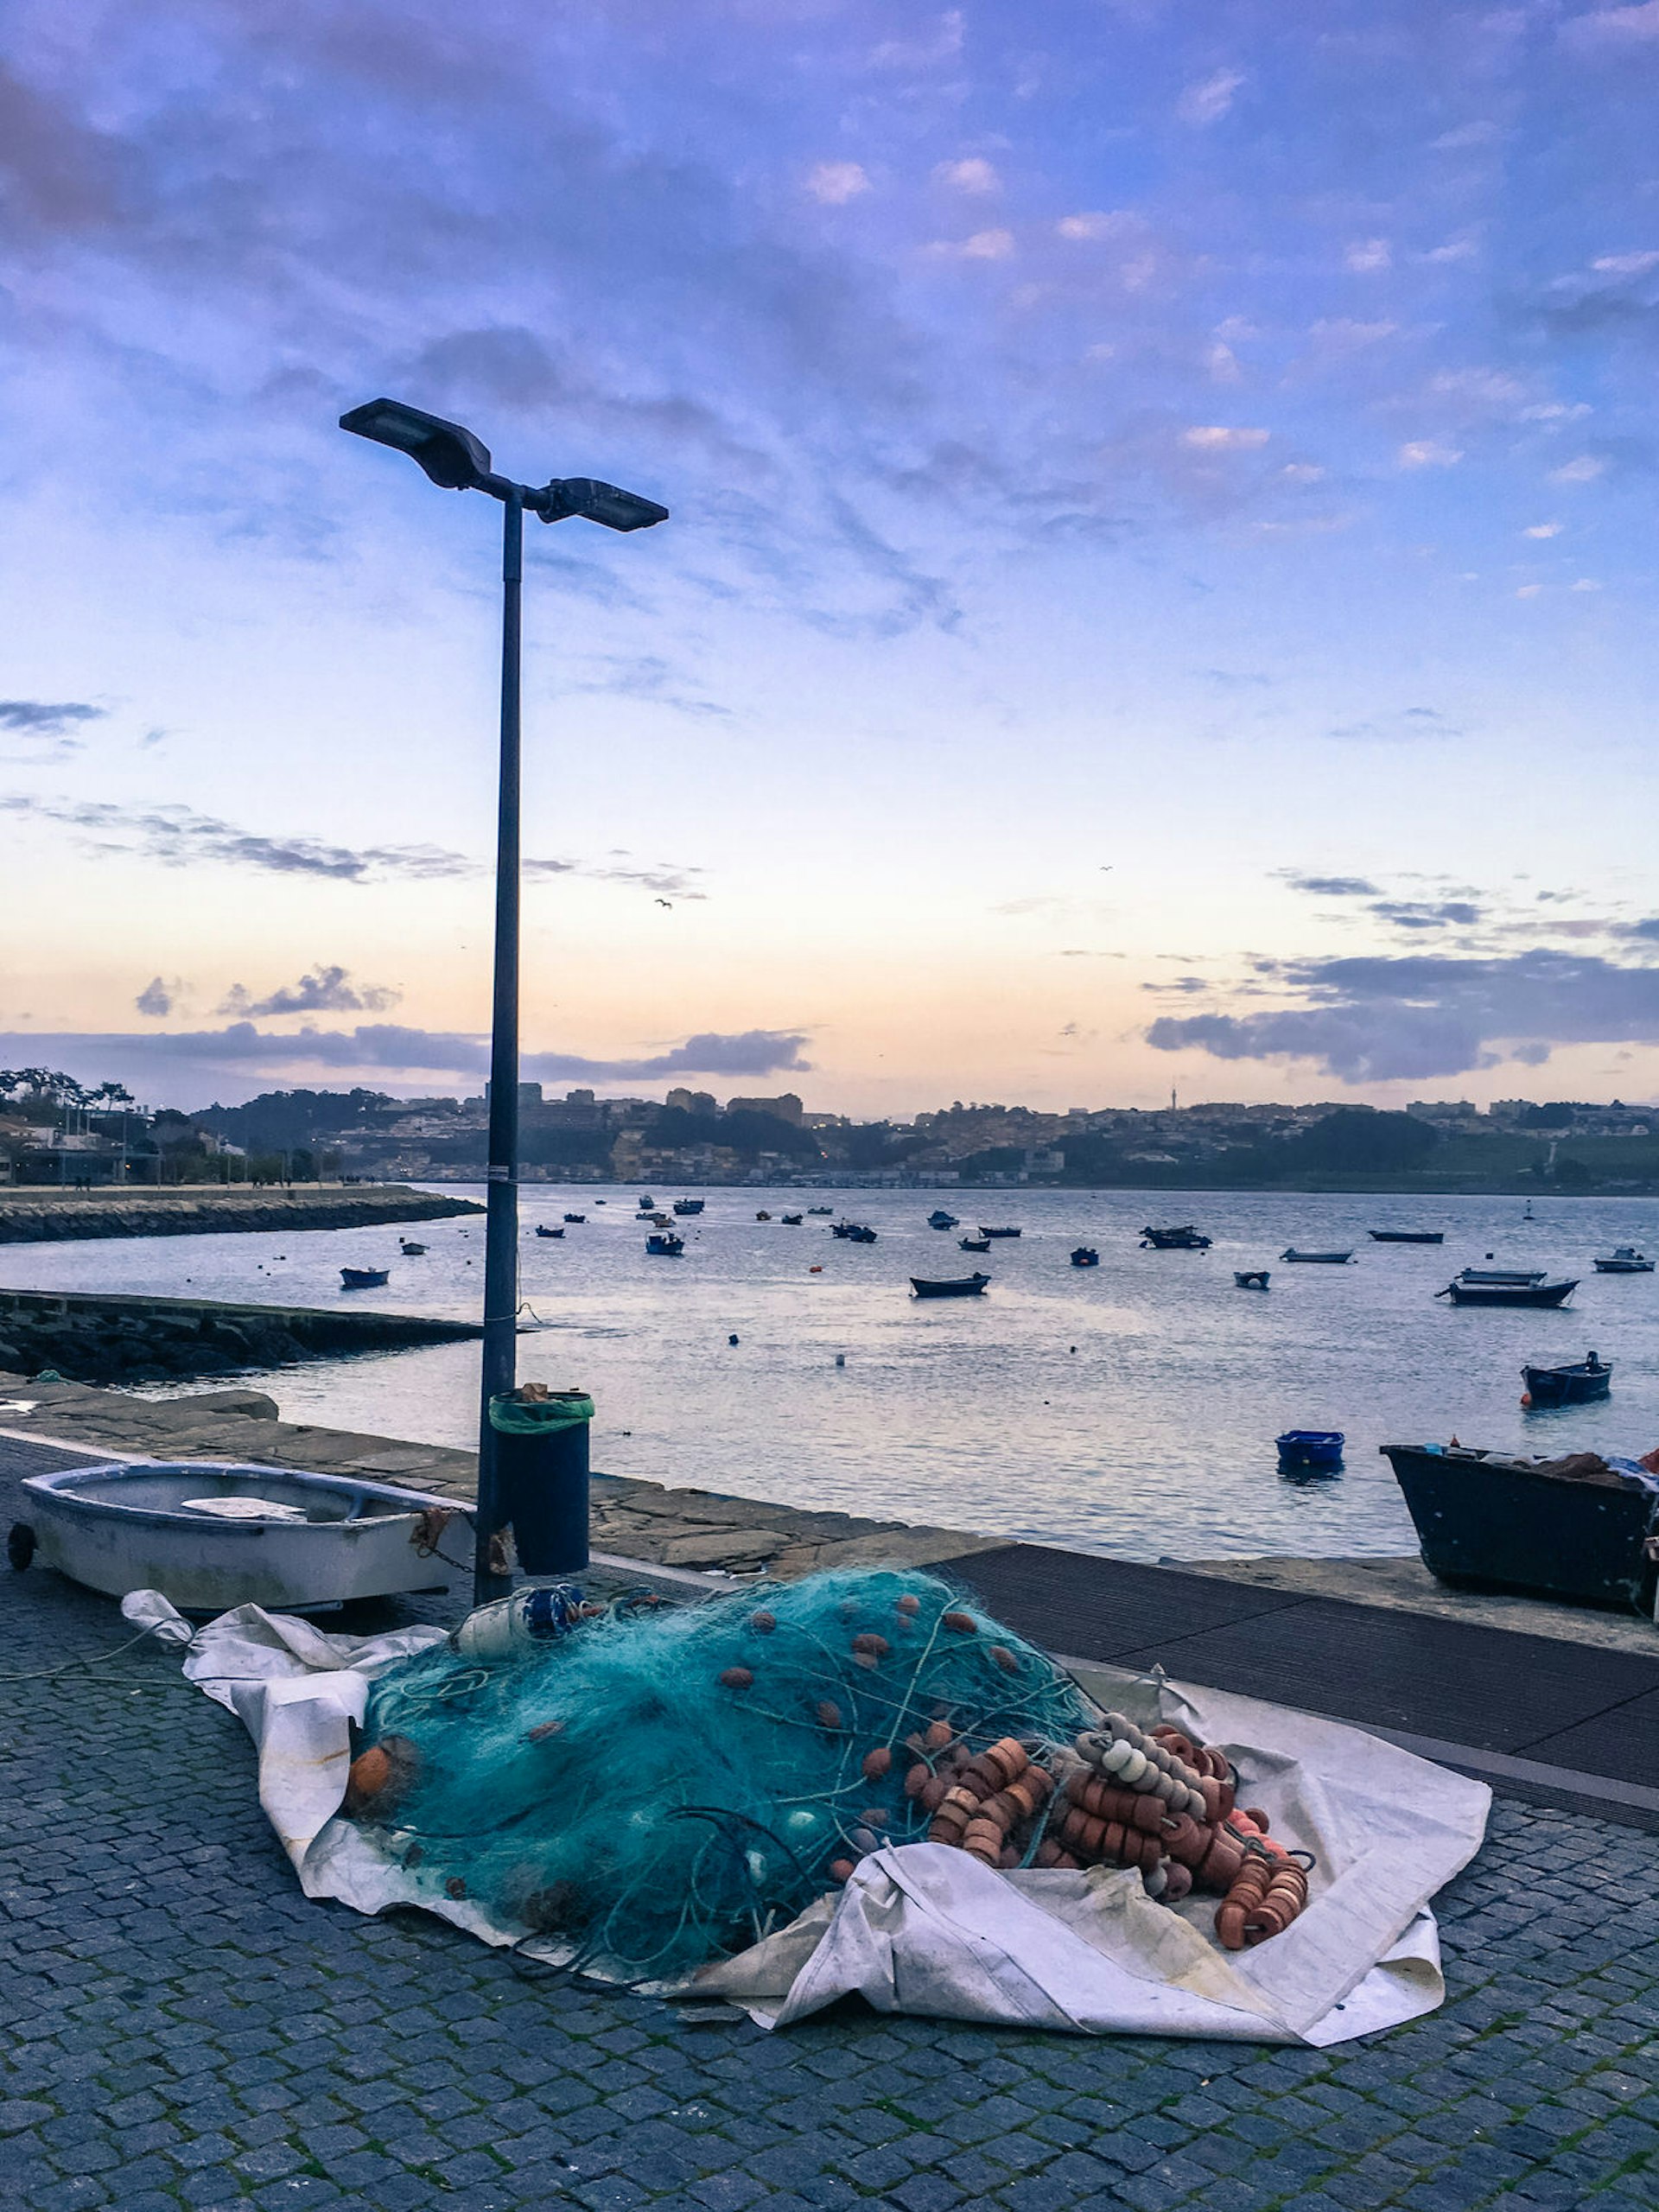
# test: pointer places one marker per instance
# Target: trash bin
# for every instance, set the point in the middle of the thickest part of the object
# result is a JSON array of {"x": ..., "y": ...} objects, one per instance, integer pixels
[{"x": 541, "y": 1457}]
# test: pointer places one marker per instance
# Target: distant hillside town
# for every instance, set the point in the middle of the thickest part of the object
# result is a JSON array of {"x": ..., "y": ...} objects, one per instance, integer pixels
[{"x": 54, "y": 1130}]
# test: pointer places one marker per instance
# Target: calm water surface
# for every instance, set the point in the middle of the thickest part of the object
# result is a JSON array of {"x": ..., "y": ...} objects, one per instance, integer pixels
[{"x": 1131, "y": 1408}]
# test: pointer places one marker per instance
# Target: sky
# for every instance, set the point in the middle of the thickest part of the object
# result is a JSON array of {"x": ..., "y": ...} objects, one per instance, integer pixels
[{"x": 1156, "y": 595}]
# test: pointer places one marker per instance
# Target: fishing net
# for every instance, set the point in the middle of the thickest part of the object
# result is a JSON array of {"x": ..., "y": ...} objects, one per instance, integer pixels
[{"x": 663, "y": 1785}]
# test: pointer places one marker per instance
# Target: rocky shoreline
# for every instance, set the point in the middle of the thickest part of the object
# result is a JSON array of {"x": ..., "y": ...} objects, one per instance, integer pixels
[
  {"x": 45, "y": 1217},
  {"x": 88, "y": 1337}
]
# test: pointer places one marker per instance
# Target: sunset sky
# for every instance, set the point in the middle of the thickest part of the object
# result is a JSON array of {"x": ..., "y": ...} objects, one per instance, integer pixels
[{"x": 1160, "y": 591}]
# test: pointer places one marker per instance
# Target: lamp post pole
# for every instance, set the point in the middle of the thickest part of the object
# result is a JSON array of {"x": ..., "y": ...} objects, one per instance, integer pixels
[
  {"x": 498, "y": 1365},
  {"x": 452, "y": 458}
]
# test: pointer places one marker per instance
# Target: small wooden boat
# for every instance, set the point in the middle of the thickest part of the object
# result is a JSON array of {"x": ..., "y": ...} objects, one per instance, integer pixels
[
  {"x": 791, "y": 1220},
  {"x": 1085, "y": 1256},
  {"x": 1501, "y": 1274},
  {"x": 364, "y": 1278},
  {"x": 939, "y": 1219},
  {"x": 542, "y": 1229},
  {"x": 1251, "y": 1278},
  {"x": 763, "y": 1215},
  {"x": 1406, "y": 1235},
  {"x": 1309, "y": 1450},
  {"x": 1624, "y": 1259},
  {"x": 648, "y": 1205},
  {"x": 658, "y": 1220},
  {"x": 820, "y": 1209},
  {"x": 997, "y": 1232},
  {"x": 665, "y": 1245},
  {"x": 971, "y": 1286},
  {"x": 1586, "y": 1378},
  {"x": 973, "y": 1243},
  {"x": 215, "y": 1534},
  {"x": 1508, "y": 1294},
  {"x": 1571, "y": 1528},
  {"x": 579, "y": 1216},
  {"x": 410, "y": 1251},
  {"x": 1316, "y": 1259},
  {"x": 1185, "y": 1239}
]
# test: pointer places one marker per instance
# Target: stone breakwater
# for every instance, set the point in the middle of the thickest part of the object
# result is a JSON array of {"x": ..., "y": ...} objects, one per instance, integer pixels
[
  {"x": 42, "y": 1217},
  {"x": 92, "y": 1337}
]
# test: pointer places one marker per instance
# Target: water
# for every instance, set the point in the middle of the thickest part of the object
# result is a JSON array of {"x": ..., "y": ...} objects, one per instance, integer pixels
[{"x": 1152, "y": 1438}]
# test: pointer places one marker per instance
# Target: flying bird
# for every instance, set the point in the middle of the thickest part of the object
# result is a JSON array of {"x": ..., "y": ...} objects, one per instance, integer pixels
[{"x": 669, "y": 903}]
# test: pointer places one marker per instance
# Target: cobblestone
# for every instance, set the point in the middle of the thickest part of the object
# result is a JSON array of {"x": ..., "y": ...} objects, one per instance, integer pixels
[{"x": 182, "y": 2029}]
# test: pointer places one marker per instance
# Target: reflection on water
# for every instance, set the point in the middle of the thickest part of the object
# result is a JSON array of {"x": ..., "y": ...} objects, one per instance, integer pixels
[{"x": 1127, "y": 1408}]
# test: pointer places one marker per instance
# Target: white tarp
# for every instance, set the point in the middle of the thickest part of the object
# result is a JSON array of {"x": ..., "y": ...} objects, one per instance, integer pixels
[{"x": 921, "y": 1929}]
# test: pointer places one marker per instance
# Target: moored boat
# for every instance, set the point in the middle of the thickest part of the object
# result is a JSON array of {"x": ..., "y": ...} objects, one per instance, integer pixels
[
  {"x": 1624, "y": 1259},
  {"x": 939, "y": 1219},
  {"x": 1085, "y": 1256},
  {"x": 971, "y": 1286},
  {"x": 854, "y": 1233},
  {"x": 791, "y": 1220},
  {"x": 1509, "y": 1293},
  {"x": 1406, "y": 1235},
  {"x": 820, "y": 1209},
  {"x": 1311, "y": 1450},
  {"x": 1316, "y": 1259},
  {"x": 364, "y": 1278},
  {"x": 543, "y": 1229},
  {"x": 763, "y": 1215},
  {"x": 665, "y": 1245},
  {"x": 997, "y": 1232},
  {"x": 579, "y": 1216},
  {"x": 973, "y": 1243},
  {"x": 1502, "y": 1275},
  {"x": 683, "y": 1207},
  {"x": 1251, "y": 1278},
  {"x": 410, "y": 1251},
  {"x": 1183, "y": 1239},
  {"x": 216, "y": 1534},
  {"x": 1573, "y": 1385}
]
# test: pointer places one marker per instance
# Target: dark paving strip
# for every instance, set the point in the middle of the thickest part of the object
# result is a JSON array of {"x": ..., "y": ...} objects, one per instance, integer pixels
[
  {"x": 1565, "y": 1706},
  {"x": 1071, "y": 1601}
]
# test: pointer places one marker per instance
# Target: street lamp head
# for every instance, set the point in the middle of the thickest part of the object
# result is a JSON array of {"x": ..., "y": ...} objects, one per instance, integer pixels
[
  {"x": 597, "y": 502},
  {"x": 450, "y": 455}
]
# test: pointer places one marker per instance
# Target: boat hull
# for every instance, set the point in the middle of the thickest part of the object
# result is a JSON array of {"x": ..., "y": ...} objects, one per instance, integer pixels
[
  {"x": 1406, "y": 1235},
  {"x": 362, "y": 1544},
  {"x": 1624, "y": 1267},
  {"x": 1316, "y": 1259},
  {"x": 1519, "y": 1295},
  {"x": 968, "y": 1287},
  {"x": 1500, "y": 1526},
  {"x": 1564, "y": 1386}
]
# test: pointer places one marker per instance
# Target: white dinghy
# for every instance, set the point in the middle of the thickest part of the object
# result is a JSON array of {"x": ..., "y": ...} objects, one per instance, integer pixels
[{"x": 210, "y": 1535}]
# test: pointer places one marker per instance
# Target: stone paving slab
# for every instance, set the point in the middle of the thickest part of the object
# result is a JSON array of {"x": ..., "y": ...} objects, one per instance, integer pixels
[{"x": 181, "y": 2031}]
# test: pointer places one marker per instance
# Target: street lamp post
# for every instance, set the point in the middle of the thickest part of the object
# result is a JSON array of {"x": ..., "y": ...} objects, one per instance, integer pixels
[{"x": 454, "y": 458}]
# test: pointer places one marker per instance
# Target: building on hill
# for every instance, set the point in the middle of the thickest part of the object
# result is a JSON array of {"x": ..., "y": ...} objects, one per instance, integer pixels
[{"x": 788, "y": 1108}]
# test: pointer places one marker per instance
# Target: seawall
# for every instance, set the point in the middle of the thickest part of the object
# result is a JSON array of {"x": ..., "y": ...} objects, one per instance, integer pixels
[
  {"x": 90, "y": 1336},
  {"x": 29, "y": 1215}
]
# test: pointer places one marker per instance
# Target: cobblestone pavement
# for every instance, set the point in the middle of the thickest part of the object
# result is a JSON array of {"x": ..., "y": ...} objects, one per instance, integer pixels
[{"x": 180, "y": 2028}]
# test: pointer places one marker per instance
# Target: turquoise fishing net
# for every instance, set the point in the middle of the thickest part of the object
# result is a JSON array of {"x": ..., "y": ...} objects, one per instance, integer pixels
[{"x": 611, "y": 1791}]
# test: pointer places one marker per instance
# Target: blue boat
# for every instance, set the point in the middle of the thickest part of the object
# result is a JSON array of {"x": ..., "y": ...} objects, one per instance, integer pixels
[
  {"x": 1309, "y": 1450},
  {"x": 364, "y": 1278},
  {"x": 939, "y": 1219},
  {"x": 1085, "y": 1256},
  {"x": 666, "y": 1246},
  {"x": 542, "y": 1229}
]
